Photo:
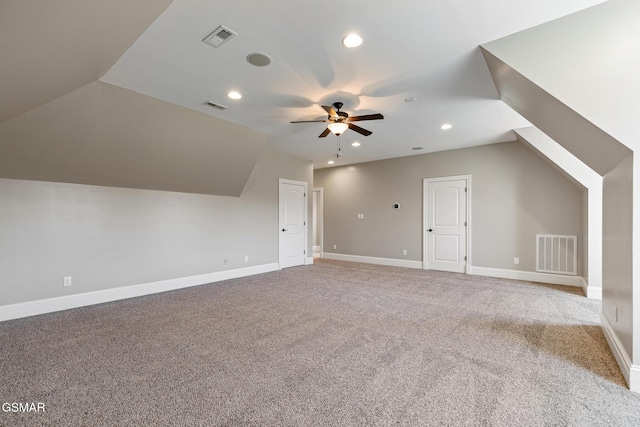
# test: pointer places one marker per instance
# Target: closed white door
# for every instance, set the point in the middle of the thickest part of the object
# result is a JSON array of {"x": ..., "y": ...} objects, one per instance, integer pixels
[
  {"x": 446, "y": 224},
  {"x": 293, "y": 223}
]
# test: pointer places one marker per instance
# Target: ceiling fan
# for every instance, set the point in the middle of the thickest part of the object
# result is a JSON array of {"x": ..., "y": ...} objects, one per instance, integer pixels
[{"x": 339, "y": 121}]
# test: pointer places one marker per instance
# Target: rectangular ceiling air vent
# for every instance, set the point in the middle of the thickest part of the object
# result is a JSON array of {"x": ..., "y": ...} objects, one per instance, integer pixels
[
  {"x": 219, "y": 36},
  {"x": 214, "y": 105}
]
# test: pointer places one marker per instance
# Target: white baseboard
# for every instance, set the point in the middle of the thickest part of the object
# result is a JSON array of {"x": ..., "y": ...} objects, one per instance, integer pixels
[
  {"x": 308, "y": 261},
  {"x": 32, "y": 308},
  {"x": 529, "y": 276},
  {"x": 592, "y": 292},
  {"x": 634, "y": 379},
  {"x": 373, "y": 260},
  {"x": 630, "y": 372}
]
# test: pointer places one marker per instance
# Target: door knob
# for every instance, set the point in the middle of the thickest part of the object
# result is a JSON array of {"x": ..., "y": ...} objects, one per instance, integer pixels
[
  {"x": 430, "y": 230},
  {"x": 284, "y": 229}
]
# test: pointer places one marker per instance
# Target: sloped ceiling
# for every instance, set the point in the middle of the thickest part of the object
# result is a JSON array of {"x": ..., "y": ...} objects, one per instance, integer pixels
[
  {"x": 587, "y": 94},
  {"x": 556, "y": 156},
  {"x": 53, "y": 51},
  {"x": 59, "y": 123},
  {"x": 105, "y": 135},
  {"x": 49, "y": 48},
  {"x": 567, "y": 127}
]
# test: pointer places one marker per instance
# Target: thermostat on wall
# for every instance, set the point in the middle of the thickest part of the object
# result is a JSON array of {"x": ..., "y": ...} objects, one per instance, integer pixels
[{"x": 396, "y": 206}]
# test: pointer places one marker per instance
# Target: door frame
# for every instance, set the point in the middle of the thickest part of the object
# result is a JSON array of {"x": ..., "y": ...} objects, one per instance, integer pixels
[
  {"x": 425, "y": 218},
  {"x": 319, "y": 217},
  {"x": 306, "y": 218}
]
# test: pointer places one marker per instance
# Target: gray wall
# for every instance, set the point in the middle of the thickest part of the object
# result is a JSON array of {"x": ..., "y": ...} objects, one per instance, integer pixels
[
  {"x": 617, "y": 261},
  {"x": 108, "y": 237},
  {"x": 105, "y": 135},
  {"x": 514, "y": 196}
]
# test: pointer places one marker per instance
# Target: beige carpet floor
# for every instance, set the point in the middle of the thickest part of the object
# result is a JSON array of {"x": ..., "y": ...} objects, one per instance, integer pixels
[{"x": 333, "y": 344}]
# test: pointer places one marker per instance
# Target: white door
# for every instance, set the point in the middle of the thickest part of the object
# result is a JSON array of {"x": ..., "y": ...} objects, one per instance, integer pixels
[
  {"x": 293, "y": 225},
  {"x": 446, "y": 224}
]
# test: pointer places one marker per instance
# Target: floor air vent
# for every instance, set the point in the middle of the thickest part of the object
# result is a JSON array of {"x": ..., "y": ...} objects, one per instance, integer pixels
[{"x": 557, "y": 254}]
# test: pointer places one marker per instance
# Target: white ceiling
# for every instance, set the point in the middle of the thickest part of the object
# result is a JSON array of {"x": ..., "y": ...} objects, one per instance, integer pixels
[{"x": 422, "y": 48}]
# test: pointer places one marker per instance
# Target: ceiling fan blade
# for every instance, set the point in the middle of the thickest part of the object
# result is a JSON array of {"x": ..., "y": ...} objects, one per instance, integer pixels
[
  {"x": 332, "y": 113},
  {"x": 308, "y": 121},
  {"x": 359, "y": 129},
  {"x": 325, "y": 133},
  {"x": 366, "y": 117}
]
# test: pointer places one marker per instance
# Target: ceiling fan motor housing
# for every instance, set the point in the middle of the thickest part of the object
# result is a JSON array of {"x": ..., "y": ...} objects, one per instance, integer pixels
[{"x": 341, "y": 114}]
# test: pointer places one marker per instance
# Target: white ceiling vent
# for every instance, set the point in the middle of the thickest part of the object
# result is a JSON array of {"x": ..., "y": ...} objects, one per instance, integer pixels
[
  {"x": 214, "y": 105},
  {"x": 219, "y": 36}
]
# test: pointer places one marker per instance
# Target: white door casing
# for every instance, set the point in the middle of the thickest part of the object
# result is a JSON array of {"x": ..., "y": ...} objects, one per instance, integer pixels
[
  {"x": 446, "y": 223},
  {"x": 292, "y": 223},
  {"x": 318, "y": 221}
]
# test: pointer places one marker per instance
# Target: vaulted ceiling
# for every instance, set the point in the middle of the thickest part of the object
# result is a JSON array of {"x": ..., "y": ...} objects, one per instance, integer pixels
[{"x": 421, "y": 50}]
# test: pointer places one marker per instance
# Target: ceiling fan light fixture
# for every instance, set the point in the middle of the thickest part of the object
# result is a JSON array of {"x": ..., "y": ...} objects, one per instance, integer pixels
[
  {"x": 338, "y": 128},
  {"x": 352, "y": 40}
]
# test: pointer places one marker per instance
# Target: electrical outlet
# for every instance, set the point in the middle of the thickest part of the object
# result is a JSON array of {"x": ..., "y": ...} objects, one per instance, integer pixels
[
  {"x": 360, "y": 216},
  {"x": 246, "y": 258},
  {"x": 335, "y": 246},
  {"x": 66, "y": 281},
  {"x": 516, "y": 261},
  {"x": 404, "y": 252}
]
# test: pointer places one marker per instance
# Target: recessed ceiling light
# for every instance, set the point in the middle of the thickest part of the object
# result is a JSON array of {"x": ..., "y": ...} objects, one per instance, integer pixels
[
  {"x": 331, "y": 162},
  {"x": 446, "y": 126},
  {"x": 411, "y": 99},
  {"x": 355, "y": 144},
  {"x": 418, "y": 148},
  {"x": 234, "y": 95},
  {"x": 352, "y": 40}
]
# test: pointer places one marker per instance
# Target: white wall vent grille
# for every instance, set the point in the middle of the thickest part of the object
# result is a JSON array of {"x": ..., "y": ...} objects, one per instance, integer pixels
[
  {"x": 219, "y": 36},
  {"x": 557, "y": 254}
]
